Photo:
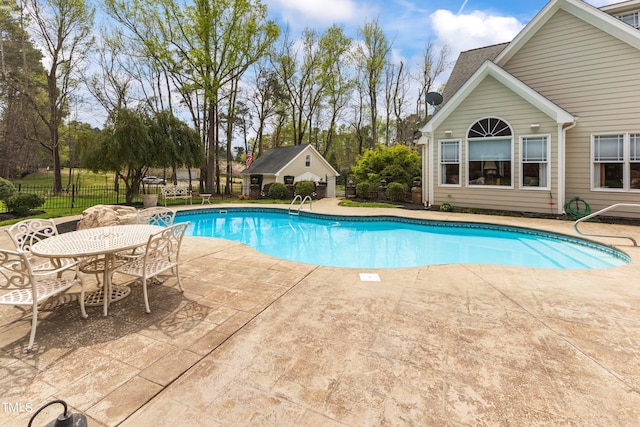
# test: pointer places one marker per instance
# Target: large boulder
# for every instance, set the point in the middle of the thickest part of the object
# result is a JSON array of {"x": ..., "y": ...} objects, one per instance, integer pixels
[{"x": 102, "y": 215}]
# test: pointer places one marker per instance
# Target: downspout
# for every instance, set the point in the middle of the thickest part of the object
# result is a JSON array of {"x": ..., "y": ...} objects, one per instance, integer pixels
[
  {"x": 431, "y": 184},
  {"x": 562, "y": 146},
  {"x": 424, "y": 143}
]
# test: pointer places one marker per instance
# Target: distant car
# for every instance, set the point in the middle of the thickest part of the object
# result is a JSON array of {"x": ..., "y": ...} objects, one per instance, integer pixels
[{"x": 153, "y": 180}]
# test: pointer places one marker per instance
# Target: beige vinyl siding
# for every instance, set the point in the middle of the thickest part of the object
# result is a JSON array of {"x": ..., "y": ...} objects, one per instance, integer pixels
[
  {"x": 297, "y": 166},
  {"x": 592, "y": 75},
  {"x": 493, "y": 99}
]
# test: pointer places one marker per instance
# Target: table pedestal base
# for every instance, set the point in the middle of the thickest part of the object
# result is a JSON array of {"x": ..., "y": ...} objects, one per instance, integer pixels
[{"x": 96, "y": 298}]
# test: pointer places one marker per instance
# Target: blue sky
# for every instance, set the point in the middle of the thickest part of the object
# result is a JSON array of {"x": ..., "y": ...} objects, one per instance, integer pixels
[{"x": 409, "y": 24}]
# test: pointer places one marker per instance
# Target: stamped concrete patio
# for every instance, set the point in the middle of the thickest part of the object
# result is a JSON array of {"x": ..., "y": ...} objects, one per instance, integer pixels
[{"x": 257, "y": 341}]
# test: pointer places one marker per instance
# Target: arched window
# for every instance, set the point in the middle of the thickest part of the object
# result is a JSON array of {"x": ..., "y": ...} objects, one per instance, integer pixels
[
  {"x": 489, "y": 127},
  {"x": 489, "y": 151}
]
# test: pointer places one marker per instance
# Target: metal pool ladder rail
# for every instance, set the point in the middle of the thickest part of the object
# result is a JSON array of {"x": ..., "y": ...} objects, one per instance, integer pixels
[
  {"x": 301, "y": 203},
  {"x": 601, "y": 211}
]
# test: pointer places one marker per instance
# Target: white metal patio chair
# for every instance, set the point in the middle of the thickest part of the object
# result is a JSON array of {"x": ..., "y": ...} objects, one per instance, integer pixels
[
  {"x": 30, "y": 231},
  {"x": 21, "y": 285},
  {"x": 161, "y": 255},
  {"x": 157, "y": 215}
]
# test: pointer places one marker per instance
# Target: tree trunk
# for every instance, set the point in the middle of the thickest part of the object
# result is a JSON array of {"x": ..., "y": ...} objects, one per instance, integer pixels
[{"x": 211, "y": 164}]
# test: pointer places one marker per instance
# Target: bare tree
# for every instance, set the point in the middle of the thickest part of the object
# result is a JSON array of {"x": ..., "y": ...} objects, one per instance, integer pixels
[
  {"x": 111, "y": 83},
  {"x": 434, "y": 64},
  {"x": 298, "y": 65},
  {"x": 264, "y": 101}
]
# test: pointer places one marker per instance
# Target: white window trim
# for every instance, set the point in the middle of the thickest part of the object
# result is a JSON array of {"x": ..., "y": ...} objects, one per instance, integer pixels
[
  {"x": 307, "y": 161},
  {"x": 520, "y": 165},
  {"x": 440, "y": 141},
  {"x": 495, "y": 187},
  {"x": 626, "y": 171}
]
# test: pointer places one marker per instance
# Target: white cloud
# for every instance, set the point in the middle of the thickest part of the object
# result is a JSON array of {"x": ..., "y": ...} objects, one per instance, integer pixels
[{"x": 472, "y": 30}]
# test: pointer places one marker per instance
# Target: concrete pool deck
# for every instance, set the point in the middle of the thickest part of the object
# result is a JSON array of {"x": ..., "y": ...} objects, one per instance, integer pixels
[{"x": 256, "y": 340}]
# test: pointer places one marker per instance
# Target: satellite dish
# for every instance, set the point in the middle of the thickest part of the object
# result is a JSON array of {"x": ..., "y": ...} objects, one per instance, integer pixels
[{"x": 434, "y": 98}]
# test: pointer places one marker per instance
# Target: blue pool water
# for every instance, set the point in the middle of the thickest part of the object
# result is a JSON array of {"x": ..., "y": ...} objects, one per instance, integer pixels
[{"x": 390, "y": 242}]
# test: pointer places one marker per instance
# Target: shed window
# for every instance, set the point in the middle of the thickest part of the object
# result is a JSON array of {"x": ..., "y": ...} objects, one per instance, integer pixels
[{"x": 307, "y": 160}]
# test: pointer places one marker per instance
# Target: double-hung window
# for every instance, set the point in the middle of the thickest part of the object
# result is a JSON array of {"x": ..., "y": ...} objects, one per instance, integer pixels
[
  {"x": 634, "y": 161},
  {"x": 535, "y": 161},
  {"x": 307, "y": 160},
  {"x": 616, "y": 161},
  {"x": 450, "y": 162},
  {"x": 609, "y": 161}
]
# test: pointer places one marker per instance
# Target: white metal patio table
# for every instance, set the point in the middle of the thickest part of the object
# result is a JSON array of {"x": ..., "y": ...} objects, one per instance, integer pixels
[{"x": 98, "y": 242}]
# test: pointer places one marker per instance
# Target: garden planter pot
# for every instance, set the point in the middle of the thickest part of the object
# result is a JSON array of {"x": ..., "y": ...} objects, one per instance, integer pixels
[{"x": 149, "y": 200}]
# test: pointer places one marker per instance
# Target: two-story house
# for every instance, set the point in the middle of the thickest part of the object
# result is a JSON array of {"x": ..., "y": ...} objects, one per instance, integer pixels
[{"x": 551, "y": 116}]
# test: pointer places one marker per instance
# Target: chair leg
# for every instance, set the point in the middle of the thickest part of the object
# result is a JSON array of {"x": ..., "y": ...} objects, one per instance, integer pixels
[
  {"x": 82, "y": 291},
  {"x": 178, "y": 279},
  {"x": 34, "y": 323},
  {"x": 146, "y": 296}
]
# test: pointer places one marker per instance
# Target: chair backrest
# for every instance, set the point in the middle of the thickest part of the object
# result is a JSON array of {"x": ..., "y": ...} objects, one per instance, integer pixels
[
  {"x": 157, "y": 215},
  {"x": 166, "y": 243},
  {"x": 15, "y": 271},
  {"x": 26, "y": 233}
]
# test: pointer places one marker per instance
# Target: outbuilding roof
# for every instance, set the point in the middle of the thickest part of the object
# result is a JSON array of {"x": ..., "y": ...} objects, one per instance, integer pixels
[{"x": 274, "y": 160}]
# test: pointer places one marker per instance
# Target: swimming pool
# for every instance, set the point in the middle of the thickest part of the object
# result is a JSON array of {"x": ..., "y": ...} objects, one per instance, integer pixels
[{"x": 393, "y": 242}]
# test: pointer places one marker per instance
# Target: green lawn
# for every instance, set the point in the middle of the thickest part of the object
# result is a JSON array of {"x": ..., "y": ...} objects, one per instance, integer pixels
[{"x": 79, "y": 177}]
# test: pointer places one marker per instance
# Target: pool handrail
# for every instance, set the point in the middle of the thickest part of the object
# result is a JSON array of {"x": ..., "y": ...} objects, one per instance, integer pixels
[
  {"x": 298, "y": 196},
  {"x": 601, "y": 211}
]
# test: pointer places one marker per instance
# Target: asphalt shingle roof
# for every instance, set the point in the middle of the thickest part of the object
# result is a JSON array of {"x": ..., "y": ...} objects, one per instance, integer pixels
[
  {"x": 468, "y": 63},
  {"x": 275, "y": 159}
]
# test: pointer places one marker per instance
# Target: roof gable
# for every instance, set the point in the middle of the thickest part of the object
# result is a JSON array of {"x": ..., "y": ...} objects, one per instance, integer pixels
[
  {"x": 580, "y": 9},
  {"x": 517, "y": 86}
]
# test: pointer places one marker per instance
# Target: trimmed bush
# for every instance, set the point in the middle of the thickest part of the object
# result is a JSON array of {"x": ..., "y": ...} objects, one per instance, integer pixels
[
  {"x": 22, "y": 203},
  {"x": 305, "y": 188},
  {"x": 7, "y": 189},
  {"x": 363, "y": 190},
  {"x": 278, "y": 191},
  {"x": 396, "y": 192}
]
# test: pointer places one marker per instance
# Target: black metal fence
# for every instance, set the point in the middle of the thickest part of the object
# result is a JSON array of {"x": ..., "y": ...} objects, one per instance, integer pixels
[{"x": 78, "y": 197}]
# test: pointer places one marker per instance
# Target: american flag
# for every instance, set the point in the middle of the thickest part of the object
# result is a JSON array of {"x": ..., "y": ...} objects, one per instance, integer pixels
[{"x": 249, "y": 158}]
